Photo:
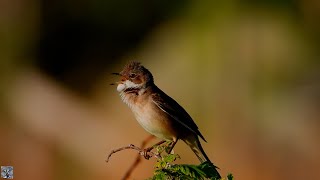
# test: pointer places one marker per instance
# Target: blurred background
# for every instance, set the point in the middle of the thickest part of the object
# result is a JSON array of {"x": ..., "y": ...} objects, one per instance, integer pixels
[{"x": 248, "y": 72}]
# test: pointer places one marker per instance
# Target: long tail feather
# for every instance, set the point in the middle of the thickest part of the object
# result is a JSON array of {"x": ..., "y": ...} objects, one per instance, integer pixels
[{"x": 195, "y": 145}]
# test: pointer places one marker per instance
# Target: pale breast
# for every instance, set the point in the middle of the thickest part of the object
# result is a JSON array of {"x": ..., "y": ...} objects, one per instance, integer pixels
[{"x": 152, "y": 119}]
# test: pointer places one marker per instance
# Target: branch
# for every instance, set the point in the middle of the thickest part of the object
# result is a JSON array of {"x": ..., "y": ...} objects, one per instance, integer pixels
[
  {"x": 142, "y": 152},
  {"x": 138, "y": 158}
]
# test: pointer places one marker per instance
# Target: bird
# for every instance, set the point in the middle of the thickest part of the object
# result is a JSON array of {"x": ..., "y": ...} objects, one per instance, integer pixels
[{"x": 156, "y": 112}]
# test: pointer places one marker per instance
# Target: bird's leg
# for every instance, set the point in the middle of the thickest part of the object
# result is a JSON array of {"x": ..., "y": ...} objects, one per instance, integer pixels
[
  {"x": 172, "y": 146},
  {"x": 145, "y": 154}
]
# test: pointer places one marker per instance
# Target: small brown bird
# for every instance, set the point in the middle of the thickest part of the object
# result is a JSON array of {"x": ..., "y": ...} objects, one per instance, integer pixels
[{"x": 156, "y": 112}]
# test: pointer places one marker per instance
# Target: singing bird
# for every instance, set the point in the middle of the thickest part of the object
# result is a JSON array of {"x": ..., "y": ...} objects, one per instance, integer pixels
[{"x": 156, "y": 112}]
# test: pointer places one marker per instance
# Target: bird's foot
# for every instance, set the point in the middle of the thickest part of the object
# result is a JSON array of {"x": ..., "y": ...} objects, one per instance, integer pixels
[{"x": 146, "y": 153}]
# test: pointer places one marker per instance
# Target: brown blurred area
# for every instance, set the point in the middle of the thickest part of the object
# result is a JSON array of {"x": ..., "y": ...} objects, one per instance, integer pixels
[{"x": 248, "y": 72}]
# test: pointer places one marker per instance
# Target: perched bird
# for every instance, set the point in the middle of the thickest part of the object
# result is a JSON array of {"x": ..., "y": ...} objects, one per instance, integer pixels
[{"x": 156, "y": 112}]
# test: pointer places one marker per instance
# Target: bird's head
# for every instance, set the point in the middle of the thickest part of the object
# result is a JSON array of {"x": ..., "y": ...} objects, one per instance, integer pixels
[{"x": 134, "y": 76}]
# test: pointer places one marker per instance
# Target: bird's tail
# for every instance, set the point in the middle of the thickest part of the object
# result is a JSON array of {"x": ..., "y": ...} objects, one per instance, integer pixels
[{"x": 195, "y": 145}]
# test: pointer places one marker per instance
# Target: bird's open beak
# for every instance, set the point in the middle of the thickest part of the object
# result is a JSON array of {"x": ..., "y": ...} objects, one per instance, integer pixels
[
  {"x": 118, "y": 74},
  {"x": 116, "y": 83}
]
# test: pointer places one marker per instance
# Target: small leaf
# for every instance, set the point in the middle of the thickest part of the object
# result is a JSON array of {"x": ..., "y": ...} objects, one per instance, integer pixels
[
  {"x": 170, "y": 158},
  {"x": 230, "y": 177}
]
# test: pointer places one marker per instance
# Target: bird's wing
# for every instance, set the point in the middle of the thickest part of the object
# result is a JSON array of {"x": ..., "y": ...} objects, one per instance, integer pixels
[{"x": 172, "y": 108}]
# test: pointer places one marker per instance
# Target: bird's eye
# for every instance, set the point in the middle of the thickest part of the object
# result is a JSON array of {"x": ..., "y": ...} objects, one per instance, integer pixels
[{"x": 132, "y": 75}]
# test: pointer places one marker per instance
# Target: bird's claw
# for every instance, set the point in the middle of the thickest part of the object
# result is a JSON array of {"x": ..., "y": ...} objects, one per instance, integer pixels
[{"x": 146, "y": 152}]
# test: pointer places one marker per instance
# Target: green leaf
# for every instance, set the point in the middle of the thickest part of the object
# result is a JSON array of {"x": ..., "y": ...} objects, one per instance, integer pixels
[
  {"x": 165, "y": 169},
  {"x": 230, "y": 177}
]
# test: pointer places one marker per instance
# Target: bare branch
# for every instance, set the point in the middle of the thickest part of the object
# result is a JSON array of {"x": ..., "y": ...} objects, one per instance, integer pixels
[
  {"x": 138, "y": 158},
  {"x": 142, "y": 152}
]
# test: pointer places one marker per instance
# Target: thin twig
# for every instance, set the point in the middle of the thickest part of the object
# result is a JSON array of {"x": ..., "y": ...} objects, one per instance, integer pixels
[
  {"x": 138, "y": 158},
  {"x": 147, "y": 155}
]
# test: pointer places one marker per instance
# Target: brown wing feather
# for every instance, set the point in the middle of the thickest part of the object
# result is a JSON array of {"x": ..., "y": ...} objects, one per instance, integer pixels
[{"x": 172, "y": 108}]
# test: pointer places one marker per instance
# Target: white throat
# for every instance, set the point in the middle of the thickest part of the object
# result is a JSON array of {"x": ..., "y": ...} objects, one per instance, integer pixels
[
  {"x": 127, "y": 98},
  {"x": 127, "y": 84}
]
